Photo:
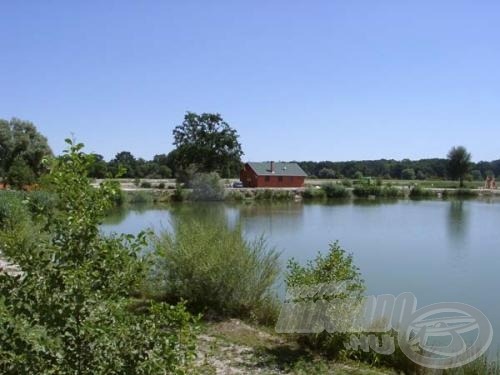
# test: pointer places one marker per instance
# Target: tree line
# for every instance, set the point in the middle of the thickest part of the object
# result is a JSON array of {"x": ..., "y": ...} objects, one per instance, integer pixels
[
  {"x": 205, "y": 143},
  {"x": 437, "y": 168}
]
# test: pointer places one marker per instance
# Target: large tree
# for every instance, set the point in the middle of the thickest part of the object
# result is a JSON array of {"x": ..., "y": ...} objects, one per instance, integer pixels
[
  {"x": 459, "y": 161},
  {"x": 206, "y": 143},
  {"x": 124, "y": 162},
  {"x": 22, "y": 147}
]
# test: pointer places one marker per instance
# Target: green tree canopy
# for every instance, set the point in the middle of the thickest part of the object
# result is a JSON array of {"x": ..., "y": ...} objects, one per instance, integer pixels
[
  {"x": 208, "y": 143},
  {"x": 23, "y": 148},
  {"x": 408, "y": 174},
  {"x": 459, "y": 161},
  {"x": 126, "y": 161}
]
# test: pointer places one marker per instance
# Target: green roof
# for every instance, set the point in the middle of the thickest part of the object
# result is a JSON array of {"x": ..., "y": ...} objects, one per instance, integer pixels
[{"x": 280, "y": 169}]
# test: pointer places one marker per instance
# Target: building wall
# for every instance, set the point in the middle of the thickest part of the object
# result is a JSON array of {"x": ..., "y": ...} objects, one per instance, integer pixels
[
  {"x": 280, "y": 181},
  {"x": 250, "y": 179}
]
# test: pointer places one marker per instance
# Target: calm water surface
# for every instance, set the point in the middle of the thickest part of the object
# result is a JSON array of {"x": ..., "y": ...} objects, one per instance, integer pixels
[{"x": 442, "y": 251}]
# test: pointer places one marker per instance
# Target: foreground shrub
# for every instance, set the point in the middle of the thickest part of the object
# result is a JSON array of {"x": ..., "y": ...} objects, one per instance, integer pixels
[
  {"x": 18, "y": 232},
  {"x": 333, "y": 268},
  {"x": 70, "y": 312},
  {"x": 335, "y": 191},
  {"x": 215, "y": 269},
  {"x": 12, "y": 209},
  {"x": 207, "y": 187}
]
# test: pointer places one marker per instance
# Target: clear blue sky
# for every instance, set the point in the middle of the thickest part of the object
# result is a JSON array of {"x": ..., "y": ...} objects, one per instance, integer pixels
[{"x": 304, "y": 80}]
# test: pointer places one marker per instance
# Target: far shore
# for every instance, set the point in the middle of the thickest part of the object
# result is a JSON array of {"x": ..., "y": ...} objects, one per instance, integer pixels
[{"x": 162, "y": 190}]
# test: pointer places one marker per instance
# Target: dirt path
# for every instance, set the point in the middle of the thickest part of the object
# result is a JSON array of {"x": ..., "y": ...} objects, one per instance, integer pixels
[{"x": 233, "y": 347}]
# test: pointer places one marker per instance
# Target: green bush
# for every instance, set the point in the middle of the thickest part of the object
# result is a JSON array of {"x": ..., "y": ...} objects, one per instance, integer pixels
[
  {"x": 19, "y": 232},
  {"x": 358, "y": 175},
  {"x": 264, "y": 194},
  {"x": 235, "y": 195},
  {"x": 346, "y": 182},
  {"x": 417, "y": 192},
  {"x": 41, "y": 202},
  {"x": 70, "y": 312},
  {"x": 391, "y": 192},
  {"x": 314, "y": 193},
  {"x": 280, "y": 195},
  {"x": 179, "y": 194},
  {"x": 408, "y": 174},
  {"x": 12, "y": 210},
  {"x": 333, "y": 190},
  {"x": 207, "y": 187},
  {"x": 161, "y": 185},
  {"x": 119, "y": 198},
  {"x": 215, "y": 269},
  {"x": 146, "y": 185},
  {"x": 366, "y": 190},
  {"x": 20, "y": 174},
  {"x": 336, "y": 267}
]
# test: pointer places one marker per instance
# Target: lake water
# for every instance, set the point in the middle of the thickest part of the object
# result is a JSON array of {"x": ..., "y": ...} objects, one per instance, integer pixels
[{"x": 442, "y": 251}]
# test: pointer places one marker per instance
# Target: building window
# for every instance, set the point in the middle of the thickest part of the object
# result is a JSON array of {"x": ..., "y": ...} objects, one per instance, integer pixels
[
  {"x": 280, "y": 178},
  {"x": 267, "y": 178}
]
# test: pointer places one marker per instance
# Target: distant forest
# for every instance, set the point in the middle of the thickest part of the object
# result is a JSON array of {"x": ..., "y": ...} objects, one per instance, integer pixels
[
  {"x": 395, "y": 169},
  {"x": 164, "y": 166}
]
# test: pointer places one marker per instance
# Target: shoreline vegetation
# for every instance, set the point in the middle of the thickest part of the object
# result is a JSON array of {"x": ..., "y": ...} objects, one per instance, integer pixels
[{"x": 168, "y": 190}]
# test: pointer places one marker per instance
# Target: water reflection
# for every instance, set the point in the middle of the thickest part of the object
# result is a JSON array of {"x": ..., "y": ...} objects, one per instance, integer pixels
[
  {"x": 119, "y": 214},
  {"x": 458, "y": 220},
  {"x": 277, "y": 218}
]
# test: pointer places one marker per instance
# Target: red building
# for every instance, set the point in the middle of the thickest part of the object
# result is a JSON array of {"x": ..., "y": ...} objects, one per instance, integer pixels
[{"x": 271, "y": 174}]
